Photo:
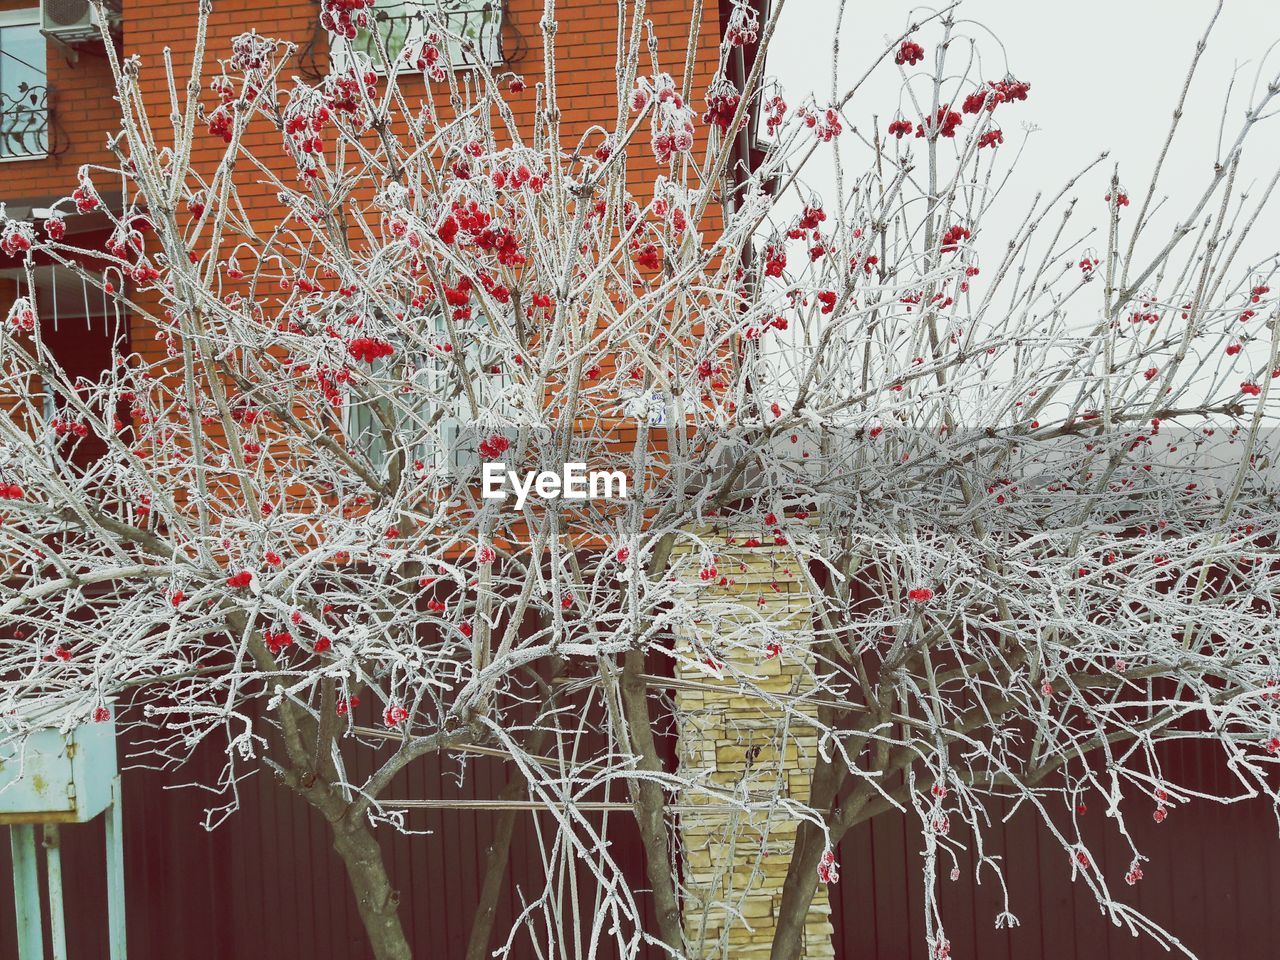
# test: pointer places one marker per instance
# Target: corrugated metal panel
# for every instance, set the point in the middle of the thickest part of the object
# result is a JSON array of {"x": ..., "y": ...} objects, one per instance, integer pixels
[{"x": 1209, "y": 882}]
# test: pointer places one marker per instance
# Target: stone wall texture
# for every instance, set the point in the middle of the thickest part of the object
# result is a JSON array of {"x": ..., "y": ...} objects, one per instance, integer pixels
[{"x": 755, "y": 756}]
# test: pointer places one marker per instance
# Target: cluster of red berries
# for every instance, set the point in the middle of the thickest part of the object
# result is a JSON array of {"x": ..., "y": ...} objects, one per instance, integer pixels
[
  {"x": 909, "y": 54},
  {"x": 828, "y": 869},
  {"x": 304, "y": 122},
  {"x": 920, "y": 594},
  {"x": 17, "y": 237},
  {"x": 429, "y": 58},
  {"x": 775, "y": 261},
  {"x": 10, "y": 491},
  {"x": 345, "y": 17},
  {"x": 345, "y": 92},
  {"x": 744, "y": 26},
  {"x": 251, "y": 51},
  {"x": 494, "y": 446},
  {"x": 648, "y": 257},
  {"x": 518, "y": 178},
  {"x": 952, "y": 239},
  {"x": 459, "y": 298},
  {"x": 706, "y": 369},
  {"x": 62, "y": 426},
  {"x": 945, "y": 123},
  {"x": 277, "y": 640},
  {"x": 85, "y": 196},
  {"x": 125, "y": 240},
  {"x": 775, "y": 108},
  {"x": 238, "y": 581},
  {"x": 811, "y": 217},
  {"x": 369, "y": 349},
  {"x": 671, "y": 124},
  {"x": 675, "y": 216},
  {"x": 477, "y": 223},
  {"x": 22, "y": 315},
  {"x": 330, "y": 382},
  {"x": 221, "y": 120},
  {"x": 994, "y": 93},
  {"x": 722, "y": 103},
  {"x": 826, "y": 123}
]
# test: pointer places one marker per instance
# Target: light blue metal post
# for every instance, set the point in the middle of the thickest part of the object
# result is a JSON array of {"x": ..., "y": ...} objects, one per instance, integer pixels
[
  {"x": 53, "y": 867},
  {"x": 57, "y": 774},
  {"x": 115, "y": 874},
  {"x": 26, "y": 892}
]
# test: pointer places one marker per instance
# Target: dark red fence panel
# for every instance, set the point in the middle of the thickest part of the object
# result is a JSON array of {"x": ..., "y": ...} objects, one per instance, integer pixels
[{"x": 1209, "y": 882}]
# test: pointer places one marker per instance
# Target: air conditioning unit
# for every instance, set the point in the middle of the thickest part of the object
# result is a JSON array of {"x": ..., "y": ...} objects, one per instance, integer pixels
[{"x": 75, "y": 22}]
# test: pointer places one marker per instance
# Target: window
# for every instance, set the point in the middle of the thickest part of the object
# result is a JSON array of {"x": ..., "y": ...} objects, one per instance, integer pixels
[
  {"x": 365, "y": 428},
  {"x": 437, "y": 437},
  {"x": 24, "y": 118},
  {"x": 402, "y": 23}
]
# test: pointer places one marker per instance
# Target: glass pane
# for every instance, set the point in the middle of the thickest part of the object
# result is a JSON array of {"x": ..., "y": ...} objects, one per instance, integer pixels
[
  {"x": 391, "y": 20},
  {"x": 23, "y": 121},
  {"x": 22, "y": 62}
]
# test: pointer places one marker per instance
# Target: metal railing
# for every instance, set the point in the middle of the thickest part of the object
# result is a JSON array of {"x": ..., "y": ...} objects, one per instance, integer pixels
[
  {"x": 478, "y": 21},
  {"x": 24, "y": 122}
]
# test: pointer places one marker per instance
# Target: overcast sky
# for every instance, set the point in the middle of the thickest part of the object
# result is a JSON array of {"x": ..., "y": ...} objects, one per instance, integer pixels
[{"x": 1104, "y": 74}]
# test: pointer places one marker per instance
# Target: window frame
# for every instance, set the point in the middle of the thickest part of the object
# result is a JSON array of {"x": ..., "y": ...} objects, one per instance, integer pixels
[
  {"x": 27, "y": 17},
  {"x": 432, "y": 368},
  {"x": 340, "y": 48}
]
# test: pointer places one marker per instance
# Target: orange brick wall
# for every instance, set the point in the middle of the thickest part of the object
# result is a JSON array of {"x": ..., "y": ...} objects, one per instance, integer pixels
[
  {"x": 586, "y": 74},
  {"x": 586, "y": 71},
  {"x": 84, "y": 110}
]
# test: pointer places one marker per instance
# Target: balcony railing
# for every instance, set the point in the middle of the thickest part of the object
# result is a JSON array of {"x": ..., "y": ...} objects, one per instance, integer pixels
[
  {"x": 402, "y": 23},
  {"x": 24, "y": 122}
]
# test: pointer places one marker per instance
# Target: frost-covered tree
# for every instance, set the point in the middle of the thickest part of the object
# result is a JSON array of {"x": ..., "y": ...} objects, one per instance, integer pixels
[{"x": 1025, "y": 476}]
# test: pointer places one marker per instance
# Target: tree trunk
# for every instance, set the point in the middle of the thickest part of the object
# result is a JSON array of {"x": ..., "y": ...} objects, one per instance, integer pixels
[
  {"x": 495, "y": 872},
  {"x": 311, "y": 775},
  {"x": 802, "y": 873},
  {"x": 376, "y": 899},
  {"x": 650, "y": 803},
  {"x": 797, "y": 893}
]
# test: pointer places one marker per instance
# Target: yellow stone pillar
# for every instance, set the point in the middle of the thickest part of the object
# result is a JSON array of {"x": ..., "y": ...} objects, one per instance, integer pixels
[{"x": 743, "y": 749}]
